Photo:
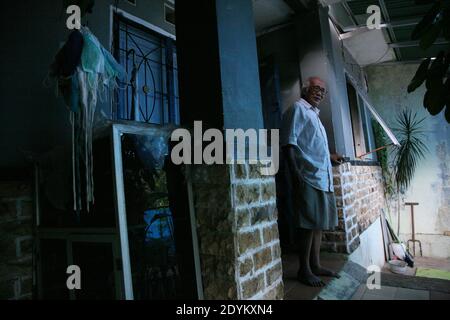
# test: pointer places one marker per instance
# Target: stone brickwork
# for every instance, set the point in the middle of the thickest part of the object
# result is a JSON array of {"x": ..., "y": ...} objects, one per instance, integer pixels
[
  {"x": 359, "y": 194},
  {"x": 238, "y": 232},
  {"x": 259, "y": 254},
  {"x": 16, "y": 241}
]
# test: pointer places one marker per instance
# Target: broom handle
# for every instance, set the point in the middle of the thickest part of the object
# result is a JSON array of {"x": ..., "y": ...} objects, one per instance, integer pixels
[{"x": 377, "y": 149}]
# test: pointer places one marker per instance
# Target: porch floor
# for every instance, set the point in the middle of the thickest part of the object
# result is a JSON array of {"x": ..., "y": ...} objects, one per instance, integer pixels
[
  {"x": 393, "y": 286},
  {"x": 295, "y": 290}
]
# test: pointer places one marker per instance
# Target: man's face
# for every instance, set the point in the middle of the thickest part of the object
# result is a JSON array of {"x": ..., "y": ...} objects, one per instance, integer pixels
[{"x": 316, "y": 92}]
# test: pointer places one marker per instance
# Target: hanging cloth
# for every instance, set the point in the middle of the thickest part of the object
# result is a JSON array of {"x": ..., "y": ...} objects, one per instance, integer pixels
[{"x": 82, "y": 86}]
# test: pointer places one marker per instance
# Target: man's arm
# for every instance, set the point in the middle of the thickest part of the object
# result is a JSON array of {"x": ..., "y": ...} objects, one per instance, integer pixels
[{"x": 291, "y": 129}]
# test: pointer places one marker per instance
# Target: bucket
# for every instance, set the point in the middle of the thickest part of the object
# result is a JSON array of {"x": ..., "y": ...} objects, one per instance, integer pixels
[{"x": 397, "y": 266}]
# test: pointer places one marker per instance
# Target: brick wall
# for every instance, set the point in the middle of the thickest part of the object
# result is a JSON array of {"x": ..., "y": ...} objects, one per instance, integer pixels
[
  {"x": 359, "y": 194},
  {"x": 16, "y": 242},
  {"x": 259, "y": 254},
  {"x": 238, "y": 232}
]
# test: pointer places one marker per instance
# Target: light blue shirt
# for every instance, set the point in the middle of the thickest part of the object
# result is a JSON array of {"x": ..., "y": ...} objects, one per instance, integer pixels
[{"x": 303, "y": 129}]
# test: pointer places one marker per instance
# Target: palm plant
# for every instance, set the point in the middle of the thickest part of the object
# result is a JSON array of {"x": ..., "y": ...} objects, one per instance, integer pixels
[
  {"x": 412, "y": 149},
  {"x": 410, "y": 133}
]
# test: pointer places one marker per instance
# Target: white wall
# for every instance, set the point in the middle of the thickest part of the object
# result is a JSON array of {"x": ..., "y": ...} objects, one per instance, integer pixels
[
  {"x": 431, "y": 184},
  {"x": 371, "y": 250}
]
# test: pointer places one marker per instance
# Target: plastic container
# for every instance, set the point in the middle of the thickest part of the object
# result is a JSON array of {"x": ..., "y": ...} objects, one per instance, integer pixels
[{"x": 397, "y": 266}]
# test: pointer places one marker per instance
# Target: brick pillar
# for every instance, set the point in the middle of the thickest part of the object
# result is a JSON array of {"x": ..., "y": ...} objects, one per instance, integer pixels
[
  {"x": 16, "y": 242},
  {"x": 360, "y": 198},
  {"x": 238, "y": 232}
]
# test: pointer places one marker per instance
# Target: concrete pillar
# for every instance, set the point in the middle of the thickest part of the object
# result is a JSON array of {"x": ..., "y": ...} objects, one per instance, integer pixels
[
  {"x": 234, "y": 205},
  {"x": 320, "y": 55},
  {"x": 218, "y": 65}
]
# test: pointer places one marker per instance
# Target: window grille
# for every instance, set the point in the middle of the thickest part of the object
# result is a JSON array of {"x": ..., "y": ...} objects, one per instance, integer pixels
[{"x": 150, "y": 92}]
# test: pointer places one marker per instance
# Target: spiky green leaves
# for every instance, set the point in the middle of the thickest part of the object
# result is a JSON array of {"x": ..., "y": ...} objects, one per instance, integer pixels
[{"x": 412, "y": 149}]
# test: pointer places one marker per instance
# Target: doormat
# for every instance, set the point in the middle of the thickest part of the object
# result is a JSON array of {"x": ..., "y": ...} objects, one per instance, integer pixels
[
  {"x": 339, "y": 289},
  {"x": 433, "y": 273}
]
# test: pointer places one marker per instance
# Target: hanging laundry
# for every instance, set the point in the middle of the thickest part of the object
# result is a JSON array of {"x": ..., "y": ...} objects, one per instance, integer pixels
[
  {"x": 68, "y": 57},
  {"x": 94, "y": 72}
]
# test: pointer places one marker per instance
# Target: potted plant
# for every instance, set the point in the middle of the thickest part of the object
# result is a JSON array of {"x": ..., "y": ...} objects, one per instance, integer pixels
[{"x": 400, "y": 163}]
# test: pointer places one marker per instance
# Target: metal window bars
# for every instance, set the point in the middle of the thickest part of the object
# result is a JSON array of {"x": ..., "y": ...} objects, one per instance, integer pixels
[{"x": 150, "y": 92}]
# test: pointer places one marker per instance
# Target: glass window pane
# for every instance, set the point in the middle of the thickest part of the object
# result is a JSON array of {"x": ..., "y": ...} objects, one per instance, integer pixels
[{"x": 154, "y": 268}]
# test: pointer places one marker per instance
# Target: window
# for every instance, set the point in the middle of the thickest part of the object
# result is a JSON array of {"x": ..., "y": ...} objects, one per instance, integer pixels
[
  {"x": 362, "y": 114},
  {"x": 169, "y": 13},
  {"x": 361, "y": 124},
  {"x": 366, "y": 122},
  {"x": 150, "y": 92}
]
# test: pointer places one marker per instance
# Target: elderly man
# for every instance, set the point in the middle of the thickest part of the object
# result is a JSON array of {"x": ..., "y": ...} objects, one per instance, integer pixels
[{"x": 305, "y": 144}]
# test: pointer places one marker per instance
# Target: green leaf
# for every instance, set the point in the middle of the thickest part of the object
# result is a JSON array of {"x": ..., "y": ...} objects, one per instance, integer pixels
[
  {"x": 420, "y": 76},
  {"x": 436, "y": 72},
  {"x": 433, "y": 83},
  {"x": 435, "y": 100},
  {"x": 412, "y": 148},
  {"x": 430, "y": 36},
  {"x": 422, "y": 27}
]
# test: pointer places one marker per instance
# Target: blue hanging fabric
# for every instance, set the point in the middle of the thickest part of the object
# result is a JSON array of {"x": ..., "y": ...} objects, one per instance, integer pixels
[
  {"x": 97, "y": 60},
  {"x": 97, "y": 70}
]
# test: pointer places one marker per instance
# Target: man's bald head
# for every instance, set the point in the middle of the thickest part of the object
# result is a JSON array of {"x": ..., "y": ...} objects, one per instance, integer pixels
[
  {"x": 314, "y": 91},
  {"x": 316, "y": 81}
]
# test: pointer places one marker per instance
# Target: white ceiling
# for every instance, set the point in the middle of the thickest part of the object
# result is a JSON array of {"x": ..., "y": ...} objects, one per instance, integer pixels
[
  {"x": 366, "y": 46},
  {"x": 369, "y": 47},
  {"x": 268, "y": 13}
]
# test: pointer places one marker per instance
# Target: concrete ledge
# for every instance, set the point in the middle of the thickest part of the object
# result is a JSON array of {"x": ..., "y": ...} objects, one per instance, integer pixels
[
  {"x": 413, "y": 282},
  {"x": 364, "y": 163},
  {"x": 354, "y": 276}
]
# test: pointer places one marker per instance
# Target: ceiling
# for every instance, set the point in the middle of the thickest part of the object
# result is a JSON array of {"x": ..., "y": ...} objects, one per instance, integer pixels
[
  {"x": 270, "y": 13},
  {"x": 389, "y": 44},
  {"x": 399, "y": 18}
]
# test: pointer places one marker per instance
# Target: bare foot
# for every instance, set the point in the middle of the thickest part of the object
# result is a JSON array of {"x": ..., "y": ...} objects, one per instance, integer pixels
[
  {"x": 308, "y": 278},
  {"x": 321, "y": 271}
]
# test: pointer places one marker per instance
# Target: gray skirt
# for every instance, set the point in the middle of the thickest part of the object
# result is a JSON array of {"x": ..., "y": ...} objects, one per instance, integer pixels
[{"x": 314, "y": 209}]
